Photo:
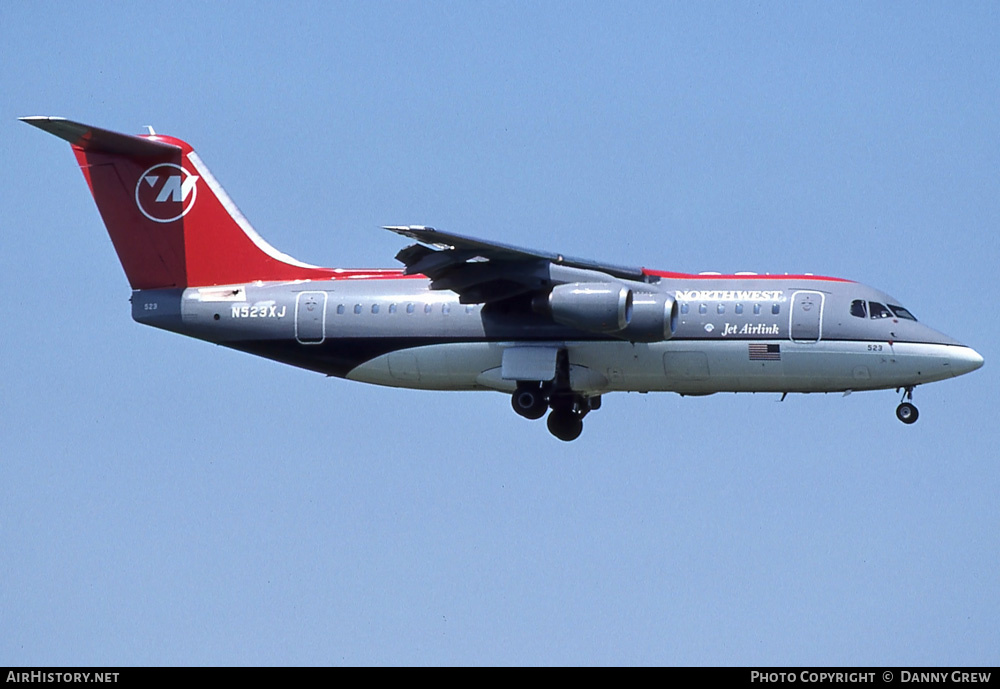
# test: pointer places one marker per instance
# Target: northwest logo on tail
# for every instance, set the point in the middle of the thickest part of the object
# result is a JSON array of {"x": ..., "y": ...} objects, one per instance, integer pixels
[{"x": 166, "y": 192}]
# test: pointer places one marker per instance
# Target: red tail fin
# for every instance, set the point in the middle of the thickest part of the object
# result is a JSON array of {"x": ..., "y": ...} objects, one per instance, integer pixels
[{"x": 170, "y": 221}]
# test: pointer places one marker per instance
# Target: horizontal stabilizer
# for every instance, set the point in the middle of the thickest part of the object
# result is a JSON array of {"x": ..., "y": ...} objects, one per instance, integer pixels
[{"x": 89, "y": 138}]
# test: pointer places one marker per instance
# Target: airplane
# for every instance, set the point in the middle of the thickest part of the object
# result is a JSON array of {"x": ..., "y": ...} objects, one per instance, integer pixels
[{"x": 555, "y": 333}]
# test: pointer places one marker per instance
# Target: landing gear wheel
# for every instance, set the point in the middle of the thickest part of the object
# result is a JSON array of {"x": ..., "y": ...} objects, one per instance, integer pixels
[
  {"x": 565, "y": 424},
  {"x": 529, "y": 402},
  {"x": 907, "y": 413}
]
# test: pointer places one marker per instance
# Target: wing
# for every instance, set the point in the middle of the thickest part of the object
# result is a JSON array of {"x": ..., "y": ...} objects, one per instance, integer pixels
[{"x": 481, "y": 271}]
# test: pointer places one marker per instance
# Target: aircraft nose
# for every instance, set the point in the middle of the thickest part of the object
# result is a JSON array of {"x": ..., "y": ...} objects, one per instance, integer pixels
[{"x": 964, "y": 360}]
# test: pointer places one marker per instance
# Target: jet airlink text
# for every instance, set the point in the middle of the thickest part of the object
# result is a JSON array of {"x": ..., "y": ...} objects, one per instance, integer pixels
[
  {"x": 904, "y": 676},
  {"x": 750, "y": 329}
]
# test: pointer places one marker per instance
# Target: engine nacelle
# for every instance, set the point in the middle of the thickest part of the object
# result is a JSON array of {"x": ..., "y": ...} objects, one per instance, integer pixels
[
  {"x": 654, "y": 318},
  {"x": 592, "y": 306}
]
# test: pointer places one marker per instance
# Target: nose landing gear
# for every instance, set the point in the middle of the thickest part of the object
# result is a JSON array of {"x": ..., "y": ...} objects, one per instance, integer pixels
[{"x": 906, "y": 412}]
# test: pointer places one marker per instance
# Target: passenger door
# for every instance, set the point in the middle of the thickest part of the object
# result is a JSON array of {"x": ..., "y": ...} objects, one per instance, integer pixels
[
  {"x": 310, "y": 317},
  {"x": 807, "y": 316}
]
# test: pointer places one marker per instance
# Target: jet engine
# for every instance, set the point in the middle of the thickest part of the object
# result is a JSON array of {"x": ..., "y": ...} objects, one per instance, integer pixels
[
  {"x": 592, "y": 306},
  {"x": 612, "y": 309},
  {"x": 654, "y": 318}
]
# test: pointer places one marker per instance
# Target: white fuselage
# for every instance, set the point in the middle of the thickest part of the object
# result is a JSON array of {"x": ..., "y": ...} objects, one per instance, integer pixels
[{"x": 401, "y": 333}]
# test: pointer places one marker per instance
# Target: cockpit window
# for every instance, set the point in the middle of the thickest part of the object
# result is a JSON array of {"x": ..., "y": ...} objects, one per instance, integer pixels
[
  {"x": 878, "y": 310},
  {"x": 858, "y": 308},
  {"x": 902, "y": 313}
]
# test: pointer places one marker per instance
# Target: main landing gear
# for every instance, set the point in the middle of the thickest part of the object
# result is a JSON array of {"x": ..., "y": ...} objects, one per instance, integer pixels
[
  {"x": 530, "y": 401},
  {"x": 565, "y": 421},
  {"x": 906, "y": 412}
]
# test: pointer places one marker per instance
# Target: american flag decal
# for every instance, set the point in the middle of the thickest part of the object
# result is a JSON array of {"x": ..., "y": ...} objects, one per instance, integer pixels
[{"x": 765, "y": 352}]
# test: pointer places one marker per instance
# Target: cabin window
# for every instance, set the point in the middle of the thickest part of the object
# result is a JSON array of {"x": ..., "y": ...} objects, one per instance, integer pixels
[
  {"x": 756, "y": 309},
  {"x": 858, "y": 308},
  {"x": 775, "y": 309},
  {"x": 703, "y": 309},
  {"x": 357, "y": 308},
  {"x": 427, "y": 308},
  {"x": 902, "y": 313},
  {"x": 374, "y": 308},
  {"x": 409, "y": 308},
  {"x": 739, "y": 309},
  {"x": 878, "y": 310},
  {"x": 469, "y": 308},
  {"x": 392, "y": 308},
  {"x": 340, "y": 309},
  {"x": 684, "y": 309},
  {"x": 445, "y": 308},
  {"x": 721, "y": 308}
]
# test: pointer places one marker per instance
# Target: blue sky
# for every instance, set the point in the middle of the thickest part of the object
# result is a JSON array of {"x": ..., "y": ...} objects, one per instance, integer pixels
[{"x": 164, "y": 501}]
